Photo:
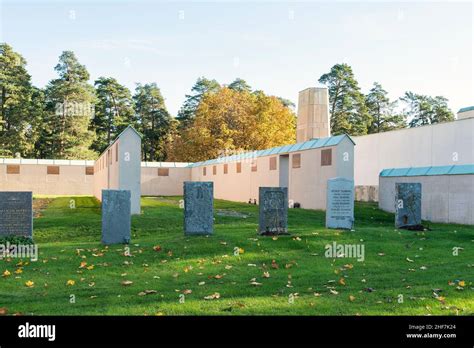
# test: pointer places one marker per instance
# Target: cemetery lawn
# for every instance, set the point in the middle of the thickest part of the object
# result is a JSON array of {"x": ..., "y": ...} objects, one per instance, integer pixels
[{"x": 403, "y": 273}]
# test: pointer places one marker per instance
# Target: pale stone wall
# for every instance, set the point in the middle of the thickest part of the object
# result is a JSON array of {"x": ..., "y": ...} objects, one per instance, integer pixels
[
  {"x": 307, "y": 184},
  {"x": 367, "y": 193},
  {"x": 71, "y": 180},
  {"x": 465, "y": 114},
  {"x": 129, "y": 159},
  {"x": 118, "y": 167},
  {"x": 153, "y": 184},
  {"x": 313, "y": 114},
  {"x": 449, "y": 143},
  {"x": 445, "y": 198}
]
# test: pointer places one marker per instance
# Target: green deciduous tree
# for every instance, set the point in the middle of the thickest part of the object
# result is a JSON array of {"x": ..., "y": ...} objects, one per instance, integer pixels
[
  {"x": 423, "y": 110},
  {"x": 69, "y": 104},
  {"x": 231, "y": 120},
  {"x": 346, "y": 103},
  {"x": 382, "y": 111},
  {"x": 113, "y": 112},
  {"x": 153, "y": 120}
]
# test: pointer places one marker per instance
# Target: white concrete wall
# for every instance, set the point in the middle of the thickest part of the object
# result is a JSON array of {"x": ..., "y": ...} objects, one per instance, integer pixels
[
  {"x": 465, "y": 114},
  {"x": 171, "y": 185},
  {"x": 445, "y": 198},
  {"x": 307, "y": 184},
  {"x": 235, "y": 186},
  {"x": 119, "y": 167},
  {"x": 436, "y": 145},
  {"x": 72, "y": 178},
  {"x": 129, "y": 168}
]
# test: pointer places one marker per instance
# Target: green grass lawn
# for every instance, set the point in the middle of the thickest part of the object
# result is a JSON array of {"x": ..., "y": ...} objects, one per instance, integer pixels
[{"x": 420, "y": 266}]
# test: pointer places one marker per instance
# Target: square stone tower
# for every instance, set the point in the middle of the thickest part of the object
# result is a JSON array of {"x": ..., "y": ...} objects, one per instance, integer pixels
[{"x": 313, "y": 114}]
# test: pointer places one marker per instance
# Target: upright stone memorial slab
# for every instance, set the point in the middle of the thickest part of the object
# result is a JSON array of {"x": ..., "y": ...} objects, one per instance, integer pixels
[
  {"x": 340, "y": 203},
  {"x": 116, "y": 216},
  {"x": 407, "y": 205},
  {"x": 273, "y": 210},
  {"x": 198, "y": 208},
  {"x": 16, "y": 214}
]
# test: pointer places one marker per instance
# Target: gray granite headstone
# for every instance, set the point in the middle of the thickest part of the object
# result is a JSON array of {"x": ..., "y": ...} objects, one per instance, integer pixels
[
  {"x": 407, "y": 204},
  {"x": 16, "y": 214},
  {"x": 273, "y": 210},
  {"x": 116, "y": 218},
  {"x": 198, "y": 208},
  {"x": 340, "y": 203}
]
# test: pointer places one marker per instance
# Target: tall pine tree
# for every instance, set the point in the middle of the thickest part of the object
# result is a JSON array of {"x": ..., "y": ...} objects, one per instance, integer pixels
[
  {"x": 69, "y": 104},
  {"x": 15, "y": 101},
  {"x": 423, "y": 110},
  {"x": 346, "y": 103},
  {"x": 382, "y": 111},
  {"x": 153, "y": 120},
  {"x": 113, "y": 112}
]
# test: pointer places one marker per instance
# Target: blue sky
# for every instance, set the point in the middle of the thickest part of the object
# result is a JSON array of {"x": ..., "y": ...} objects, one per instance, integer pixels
[{"x": 279, "y": 47}]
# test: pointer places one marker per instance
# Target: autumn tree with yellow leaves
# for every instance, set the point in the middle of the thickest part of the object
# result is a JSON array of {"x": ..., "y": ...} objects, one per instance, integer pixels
[{"x": 232, "y": 120}]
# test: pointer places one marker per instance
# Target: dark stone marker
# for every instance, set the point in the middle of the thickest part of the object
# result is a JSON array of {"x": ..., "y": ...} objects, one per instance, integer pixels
[
  {"x": 16, "y": 214},
  {"x": 198, "y": 208},
  {"x": 116, "y": 219},
  {"x": 340, "y": 203},
  {"x": 273, "y": 210},
  {"x": 407, "y": 205}
]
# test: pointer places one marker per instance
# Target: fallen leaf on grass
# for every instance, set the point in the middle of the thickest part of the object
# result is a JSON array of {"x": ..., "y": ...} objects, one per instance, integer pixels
[
  {"x": 3, "y": 311},
  {"x": 29, "y": 284},
  {"x": 214, "y": 296},
  {"x": 334, "y": 292},
  {"x": 157, "y": 248},
  {"x": 187, "y": 291},
  {"x": 351, "y": 298},
  {"x": 266, "y": 275},
  {"x": 409, "y": 260},
  {"x": 83, "y": 264},
  {"x": 254, "y": 283},
  {"x": 147, "y": 292},
  {"x": 342, "y": 281},
  {"x": 274, "y": 264},
  {"x": 202, "y": 283},
  {"x": 127, "y": 282},
  {"x": 6, "y": 273},
  {"x": 70, "y": 282}
]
